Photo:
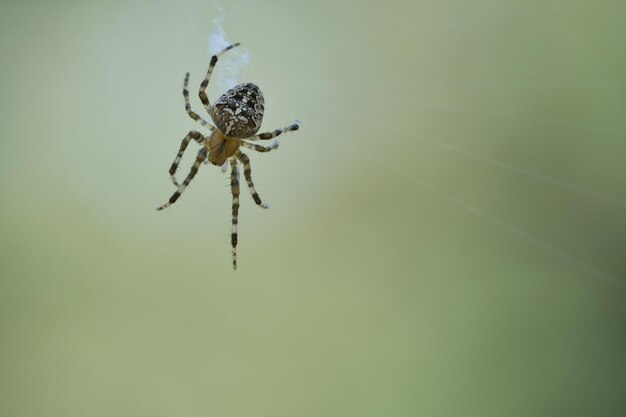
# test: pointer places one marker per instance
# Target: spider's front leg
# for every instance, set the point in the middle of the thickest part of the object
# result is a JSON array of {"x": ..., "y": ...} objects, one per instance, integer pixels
[
  {"x": 247, "y": 172},
  {"x": 260, "y": 148},
  {"x": 277, "y": 132},
  {"x": 234, "y": 188},
  {"x": 192, "y": 173},
  {"x": 198, "y": 137}
]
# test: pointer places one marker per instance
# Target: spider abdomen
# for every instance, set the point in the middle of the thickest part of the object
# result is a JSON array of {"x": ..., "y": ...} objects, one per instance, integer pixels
[{"x": 238, "y": 113}]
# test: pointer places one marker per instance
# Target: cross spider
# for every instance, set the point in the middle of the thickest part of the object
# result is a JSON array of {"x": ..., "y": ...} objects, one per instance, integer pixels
[{"x": 237, "y": 114}]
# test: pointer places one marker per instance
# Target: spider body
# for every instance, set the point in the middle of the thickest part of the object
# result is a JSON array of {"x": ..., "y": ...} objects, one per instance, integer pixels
[{"x": 237, "y": 114}]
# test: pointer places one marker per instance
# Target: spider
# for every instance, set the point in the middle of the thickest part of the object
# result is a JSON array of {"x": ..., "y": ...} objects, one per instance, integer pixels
[{"x": 237, "y": 115}]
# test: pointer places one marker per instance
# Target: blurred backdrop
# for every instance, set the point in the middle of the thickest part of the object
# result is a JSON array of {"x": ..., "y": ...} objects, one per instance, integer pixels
[{"x": 447, "y": 231}]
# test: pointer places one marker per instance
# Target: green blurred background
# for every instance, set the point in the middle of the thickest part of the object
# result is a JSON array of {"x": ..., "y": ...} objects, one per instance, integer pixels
[{"x": 447, "y": 234}]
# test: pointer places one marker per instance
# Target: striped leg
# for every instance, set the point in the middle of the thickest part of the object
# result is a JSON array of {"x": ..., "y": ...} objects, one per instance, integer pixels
[
  {"x": 271, "y": 135},
  {"x": 202, "y": 94},
  {"x": 197, "y": 136},
  {"x": 192, "y": 173},
  {"x": 260, "y": 148},
  {"x": 234, "y": 188},
  {"x": 190, "y": 112},
  {"x": 247, "y": 172}
]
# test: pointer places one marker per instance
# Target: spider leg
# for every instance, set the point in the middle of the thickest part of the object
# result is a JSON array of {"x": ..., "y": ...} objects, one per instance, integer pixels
[
  {"x": 198, "y": 137},
  {"x": 205, "y": 82},
  {"x": 260, "y": 148},
  {"x": 192, "y": 173},
  {"x": 277, "y": 132},
  {"x": 190, "y": 112},
  {"x": 247, "y": 172},
  {"x": 234, "y": 188}
]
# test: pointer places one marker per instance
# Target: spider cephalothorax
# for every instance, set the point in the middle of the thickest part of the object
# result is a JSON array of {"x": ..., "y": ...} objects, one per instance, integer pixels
[{"x": 238, "y": 114}]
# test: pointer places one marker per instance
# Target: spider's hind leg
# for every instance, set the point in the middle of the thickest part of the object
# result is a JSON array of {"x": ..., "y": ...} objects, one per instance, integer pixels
[
  {"x": 202, "y": 93},
  {"x": 195, "y": 116},
  {"x": 247, "y": 172}
]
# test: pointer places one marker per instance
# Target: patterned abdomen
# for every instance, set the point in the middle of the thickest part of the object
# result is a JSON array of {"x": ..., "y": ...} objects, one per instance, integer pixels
[{"x": 238, "y": 113}]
